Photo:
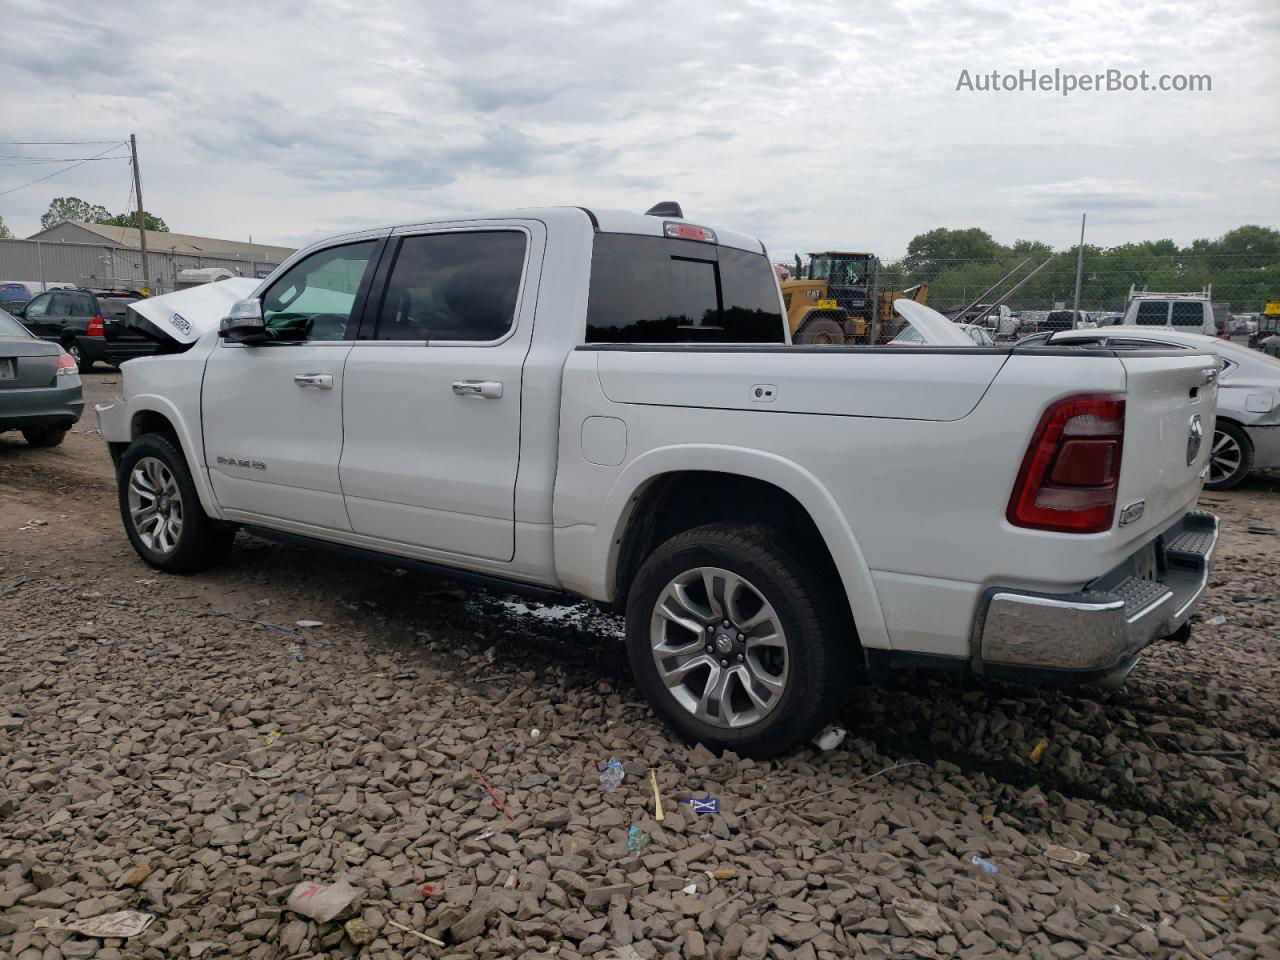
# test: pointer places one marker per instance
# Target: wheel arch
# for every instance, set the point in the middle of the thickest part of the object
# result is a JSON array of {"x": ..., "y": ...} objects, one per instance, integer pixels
[
  {"x": 150, "y": 413},
  {"x": 739, "y": 484}
]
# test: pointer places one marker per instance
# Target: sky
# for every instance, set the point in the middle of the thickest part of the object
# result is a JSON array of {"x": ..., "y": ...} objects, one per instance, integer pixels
[{"x": 814, "y": 125}]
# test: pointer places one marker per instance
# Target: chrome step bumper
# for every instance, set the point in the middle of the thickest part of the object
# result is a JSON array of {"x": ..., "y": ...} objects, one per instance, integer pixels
[{"x": 1100, "y": 631}]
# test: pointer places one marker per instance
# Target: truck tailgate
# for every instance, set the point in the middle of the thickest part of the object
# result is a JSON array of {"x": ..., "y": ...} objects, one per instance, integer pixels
[{"x": 1169, "y": 413}]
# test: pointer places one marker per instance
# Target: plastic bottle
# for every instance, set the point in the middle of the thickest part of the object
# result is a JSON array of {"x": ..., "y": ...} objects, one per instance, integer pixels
[{"x": 611, "y": 775}]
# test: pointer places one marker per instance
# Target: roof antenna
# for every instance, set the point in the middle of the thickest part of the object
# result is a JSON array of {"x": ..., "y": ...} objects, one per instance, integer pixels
[{"x": 667, "y": 208}]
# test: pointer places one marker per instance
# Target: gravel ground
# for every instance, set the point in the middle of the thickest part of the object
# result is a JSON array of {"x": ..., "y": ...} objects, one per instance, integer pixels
[{"x": 181, "y": 747}]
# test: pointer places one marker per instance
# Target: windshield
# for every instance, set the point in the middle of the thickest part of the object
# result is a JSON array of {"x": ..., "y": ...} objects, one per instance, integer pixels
[
  {"x": 842, "y": 272},
  {"x": 10, "y": 328}
]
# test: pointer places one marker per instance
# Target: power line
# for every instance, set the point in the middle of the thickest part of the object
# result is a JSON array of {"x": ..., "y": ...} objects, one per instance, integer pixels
[
  {"x": 56, "y": 172},
  {"x": 58, "y": 159},
  {"x": 57, "y": 143}
]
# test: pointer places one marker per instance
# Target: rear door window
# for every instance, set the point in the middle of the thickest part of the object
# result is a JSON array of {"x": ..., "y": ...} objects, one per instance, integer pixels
[
  {"x": 1184, "y": 314},
  {"x": 1152, "y": 313},
  {"x": 60, "y": 305},
  {"x": 658, "y": 290},
  {"x": 457, "y": 286}
]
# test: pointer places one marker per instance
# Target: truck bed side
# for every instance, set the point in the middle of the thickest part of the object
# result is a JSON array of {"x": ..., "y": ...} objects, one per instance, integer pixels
[{"x": 905, "y": 460}]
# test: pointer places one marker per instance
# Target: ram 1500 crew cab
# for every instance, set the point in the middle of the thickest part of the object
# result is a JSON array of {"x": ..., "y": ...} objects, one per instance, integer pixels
[{"x": 607, "y": 404}]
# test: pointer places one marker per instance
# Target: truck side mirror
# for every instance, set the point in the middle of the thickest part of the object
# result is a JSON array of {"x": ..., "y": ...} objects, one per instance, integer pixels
[{"x": 243, "y": 323}]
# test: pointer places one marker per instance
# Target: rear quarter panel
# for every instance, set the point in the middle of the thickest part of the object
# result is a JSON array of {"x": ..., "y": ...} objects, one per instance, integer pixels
[{"x": 912, "y": 508}]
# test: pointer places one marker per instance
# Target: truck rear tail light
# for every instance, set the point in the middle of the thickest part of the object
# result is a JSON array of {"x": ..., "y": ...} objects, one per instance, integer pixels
[
  {"x": 1069, "y": 475},
  {"x": 66, "y": 365},
  {"x": 96, "y": 328}
]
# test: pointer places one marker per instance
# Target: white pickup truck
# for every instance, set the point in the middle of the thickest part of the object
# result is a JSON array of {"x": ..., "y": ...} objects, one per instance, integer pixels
[{"x": 607, "y": 404}]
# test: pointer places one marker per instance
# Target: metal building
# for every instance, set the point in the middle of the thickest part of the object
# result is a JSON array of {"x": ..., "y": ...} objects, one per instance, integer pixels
[{"x": 95, "y": 254}]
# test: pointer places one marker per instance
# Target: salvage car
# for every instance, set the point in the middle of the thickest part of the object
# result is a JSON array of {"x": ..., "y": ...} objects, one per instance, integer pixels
[
  {"x": 607, "y": 404},
  {"x": 40, "y": 392},
  {"x": 1246, "y": 433}
]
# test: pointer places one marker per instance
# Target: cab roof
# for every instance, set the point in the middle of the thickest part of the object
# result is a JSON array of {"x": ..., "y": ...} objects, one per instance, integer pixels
[{"x": 601, "y": 220}]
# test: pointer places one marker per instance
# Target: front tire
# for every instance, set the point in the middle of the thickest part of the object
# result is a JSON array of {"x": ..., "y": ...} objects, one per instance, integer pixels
[
  {"x": 733, "y": 640},
  {"x": 1230, "y": 457},
  {"x": 821, "y": 331},
  {"x": 44, "y": 436},
  {"x": 161, "y": 509}
]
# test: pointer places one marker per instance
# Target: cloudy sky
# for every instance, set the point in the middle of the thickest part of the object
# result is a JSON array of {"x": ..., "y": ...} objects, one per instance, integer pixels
[{"x": 812, "y": 125}]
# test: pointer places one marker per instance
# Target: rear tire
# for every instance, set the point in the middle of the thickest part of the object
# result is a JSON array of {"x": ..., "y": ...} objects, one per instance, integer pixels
[
  {"x": 821, "y": 332},
  {"x": 44, "y": 436},
  {"x": 83, "y": 364},
  {"x": 756, "y": 688},
  {"x": 161, "y": 509},
  {"x": 1230, "y": 457}
]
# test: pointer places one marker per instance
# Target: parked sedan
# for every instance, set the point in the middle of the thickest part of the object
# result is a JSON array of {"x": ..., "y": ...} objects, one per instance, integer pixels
[
  {"x": 1247, "y": 430},
  {"x": 39, "y": 386}
]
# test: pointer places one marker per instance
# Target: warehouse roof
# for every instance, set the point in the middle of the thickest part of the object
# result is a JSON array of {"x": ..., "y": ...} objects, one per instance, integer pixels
[{"x": 160, "y": 240}]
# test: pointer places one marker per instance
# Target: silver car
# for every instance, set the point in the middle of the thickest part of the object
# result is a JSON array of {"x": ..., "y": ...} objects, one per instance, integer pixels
[
  {"x": 1247, "y": 430},
  {"x": 39, "y": 386}
]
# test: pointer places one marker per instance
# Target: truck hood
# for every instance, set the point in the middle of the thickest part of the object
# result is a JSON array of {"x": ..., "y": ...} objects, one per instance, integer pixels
[
  {"x": 936, "y": 329},
  {"x": 186, "y": 315}
]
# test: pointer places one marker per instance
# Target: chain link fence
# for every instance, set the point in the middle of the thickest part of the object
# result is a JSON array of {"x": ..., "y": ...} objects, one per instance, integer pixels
[{"x": 1246, "y": 282}]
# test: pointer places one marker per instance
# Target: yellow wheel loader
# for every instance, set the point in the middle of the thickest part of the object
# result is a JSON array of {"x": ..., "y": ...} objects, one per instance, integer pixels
[{"x": 837, "y": 299}]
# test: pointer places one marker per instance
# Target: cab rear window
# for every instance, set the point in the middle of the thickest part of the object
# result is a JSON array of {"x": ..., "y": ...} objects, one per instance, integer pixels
[{"x": 658, "y": 290}]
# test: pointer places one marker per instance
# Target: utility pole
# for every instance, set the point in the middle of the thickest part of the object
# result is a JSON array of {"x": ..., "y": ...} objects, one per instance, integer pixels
[
  {"x": 137, "y": 189},
  {"x": 1075, "y": 306}
]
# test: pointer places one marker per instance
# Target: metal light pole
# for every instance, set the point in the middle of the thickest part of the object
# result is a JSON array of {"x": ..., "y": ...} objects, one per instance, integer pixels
[{"x": 1075, "y": 305}]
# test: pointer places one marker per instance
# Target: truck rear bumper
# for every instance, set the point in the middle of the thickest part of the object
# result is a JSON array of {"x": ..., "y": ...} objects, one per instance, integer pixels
[{"x": 1097, "y": 633}]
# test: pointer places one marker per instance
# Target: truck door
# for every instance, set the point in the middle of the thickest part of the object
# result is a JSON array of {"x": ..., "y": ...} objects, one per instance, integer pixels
[
  {"x": 272, "y": 412},
  {"x": 431, "y": 404}
]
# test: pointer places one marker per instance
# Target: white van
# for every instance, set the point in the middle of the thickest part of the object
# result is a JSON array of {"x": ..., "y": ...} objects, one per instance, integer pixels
[{"x": 1188, "y": 312}]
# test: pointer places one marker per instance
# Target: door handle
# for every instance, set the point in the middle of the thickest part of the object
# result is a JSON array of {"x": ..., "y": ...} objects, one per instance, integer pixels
[
  {"x": 321, "y": 381},
  {"x": 490, "y": 389}
]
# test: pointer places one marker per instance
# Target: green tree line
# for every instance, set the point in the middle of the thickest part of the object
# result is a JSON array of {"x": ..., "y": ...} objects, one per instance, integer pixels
[
  {"x": 1242, "y": 265},
  {"x": 62, "y": 209}
]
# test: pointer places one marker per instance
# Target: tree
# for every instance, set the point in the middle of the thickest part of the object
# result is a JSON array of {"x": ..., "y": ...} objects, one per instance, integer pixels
[
  {"x": 930, "y": 253},
  {"x": 150, "y": 221},
  {"x": 63, "y": 209},
  {"x": 5, "y": 232}
]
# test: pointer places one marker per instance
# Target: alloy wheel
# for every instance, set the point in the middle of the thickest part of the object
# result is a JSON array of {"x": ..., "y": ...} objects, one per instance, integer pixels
[
  {"x": 1225, "y": 457},
  {"x": 719, "y": 647},
  {"x": 155, "y": 505}
]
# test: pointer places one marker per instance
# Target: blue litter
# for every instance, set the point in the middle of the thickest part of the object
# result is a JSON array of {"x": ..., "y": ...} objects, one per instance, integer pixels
[{"x": 986, "y": 865}]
